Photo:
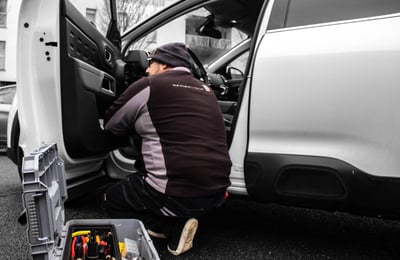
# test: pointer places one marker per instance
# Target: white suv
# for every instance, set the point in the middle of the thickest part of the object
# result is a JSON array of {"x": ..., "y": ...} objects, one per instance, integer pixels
[{"x": 309, "y": 90}]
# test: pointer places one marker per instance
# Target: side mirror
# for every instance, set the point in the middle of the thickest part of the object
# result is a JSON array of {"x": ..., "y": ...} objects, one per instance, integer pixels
[{"x": 234, "y": 73}]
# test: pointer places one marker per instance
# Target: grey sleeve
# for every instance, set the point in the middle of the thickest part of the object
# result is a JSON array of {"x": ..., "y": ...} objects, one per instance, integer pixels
[{"x": 123, "y": 121}]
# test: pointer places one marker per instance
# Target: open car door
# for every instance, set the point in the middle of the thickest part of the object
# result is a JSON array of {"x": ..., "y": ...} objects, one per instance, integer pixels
[
  {"x": 75, "y": 72},
  {"x": 68, "y": 74},
  {"x": 90, "y": 72}
]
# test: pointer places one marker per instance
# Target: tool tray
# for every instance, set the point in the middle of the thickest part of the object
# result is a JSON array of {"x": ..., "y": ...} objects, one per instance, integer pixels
[{"x": 44, "y": 194}]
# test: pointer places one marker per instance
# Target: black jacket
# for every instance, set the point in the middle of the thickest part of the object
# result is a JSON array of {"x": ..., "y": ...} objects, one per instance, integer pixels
[{"x": 184, "y": 144}]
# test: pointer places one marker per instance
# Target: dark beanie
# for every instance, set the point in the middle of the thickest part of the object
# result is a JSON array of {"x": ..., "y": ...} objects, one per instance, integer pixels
[{"x": 173, "y": 54}]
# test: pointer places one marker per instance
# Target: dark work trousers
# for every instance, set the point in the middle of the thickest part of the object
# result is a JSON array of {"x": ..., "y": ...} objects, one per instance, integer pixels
[{"x": 134, "y": 198}]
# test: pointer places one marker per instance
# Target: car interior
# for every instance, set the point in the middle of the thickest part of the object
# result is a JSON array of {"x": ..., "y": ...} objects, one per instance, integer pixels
[{"x": 95, "y": 71}]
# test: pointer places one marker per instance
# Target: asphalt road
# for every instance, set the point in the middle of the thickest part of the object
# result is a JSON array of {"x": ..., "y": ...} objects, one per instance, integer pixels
[{"x": 239, "y": 230}]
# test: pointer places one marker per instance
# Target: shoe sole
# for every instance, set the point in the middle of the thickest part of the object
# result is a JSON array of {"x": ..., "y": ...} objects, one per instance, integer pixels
[{"x": 187, "y": 236}]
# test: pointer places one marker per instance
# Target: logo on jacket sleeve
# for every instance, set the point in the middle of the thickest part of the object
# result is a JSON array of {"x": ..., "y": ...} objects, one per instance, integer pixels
[{"x": 203, "y": 87}]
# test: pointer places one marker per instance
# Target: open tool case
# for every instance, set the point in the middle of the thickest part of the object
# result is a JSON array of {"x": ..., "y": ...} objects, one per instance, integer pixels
[{"x": 44, "y": 193}]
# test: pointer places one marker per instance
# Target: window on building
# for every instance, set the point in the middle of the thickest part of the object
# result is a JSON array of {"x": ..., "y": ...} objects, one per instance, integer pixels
[
  {"x": 123, "y": 21},
  {"x": 3, "y": 13},
  {"x": 2, "y": 55},
  {"x": 152, "y": 37},
  {"x": 91, "y": 15}
]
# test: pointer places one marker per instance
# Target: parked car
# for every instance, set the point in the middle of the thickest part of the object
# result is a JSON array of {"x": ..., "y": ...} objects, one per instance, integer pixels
[
  {"x": 6, "y": 97},
  {"x": 308, "y": 89}
]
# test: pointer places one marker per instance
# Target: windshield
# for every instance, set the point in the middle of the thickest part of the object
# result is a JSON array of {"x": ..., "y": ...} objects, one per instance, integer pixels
[
  {"x": 129, "y": 12},
  {"x": 133, "y": 12},
  {"x": 197, "y": 30}
]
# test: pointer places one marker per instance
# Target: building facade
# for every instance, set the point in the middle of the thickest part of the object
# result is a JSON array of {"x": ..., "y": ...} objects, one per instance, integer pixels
[{"x": 9, "y": 10}]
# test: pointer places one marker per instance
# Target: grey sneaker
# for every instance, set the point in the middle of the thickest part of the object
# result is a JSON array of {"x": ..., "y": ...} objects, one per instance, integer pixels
[{"x": 181, "y": 239}]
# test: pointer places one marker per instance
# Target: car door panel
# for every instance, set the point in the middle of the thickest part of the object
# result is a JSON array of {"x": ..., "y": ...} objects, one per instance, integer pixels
[
  {"x": 95, "y": 80},
  {"x": 88, "y": 63}
]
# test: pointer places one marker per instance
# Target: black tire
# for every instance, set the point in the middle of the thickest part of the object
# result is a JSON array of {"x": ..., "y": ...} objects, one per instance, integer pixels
[{"x": 16, "y": 154}]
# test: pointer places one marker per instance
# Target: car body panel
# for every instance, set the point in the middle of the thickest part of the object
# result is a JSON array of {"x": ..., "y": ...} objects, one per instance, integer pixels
[
  {"x": 327, "y": 134},
  {"x": 339, "y": 100}
]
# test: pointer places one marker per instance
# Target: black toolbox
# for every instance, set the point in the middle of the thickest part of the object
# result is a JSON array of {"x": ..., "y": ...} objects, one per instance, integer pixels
[{"x": 44, "y": 194}]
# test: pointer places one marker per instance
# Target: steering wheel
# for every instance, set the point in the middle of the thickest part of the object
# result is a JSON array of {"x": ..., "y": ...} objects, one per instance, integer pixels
[{"x": 198, "y": 69}]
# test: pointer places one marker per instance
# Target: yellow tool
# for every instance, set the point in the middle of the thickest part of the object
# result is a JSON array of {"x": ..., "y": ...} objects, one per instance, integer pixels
[{"x": 81, "y": 233}]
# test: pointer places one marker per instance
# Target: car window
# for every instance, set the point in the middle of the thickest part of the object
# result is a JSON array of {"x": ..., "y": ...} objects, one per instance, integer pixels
[
  {"x": 287, "y": 13},
  {"x": 206, "y": 45},
  {"x": 97, "y": 12},
  {"x": 239, "y": 65},
  {"x": 7, "y": 95},
  {"x": 131, "y": 13}
]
